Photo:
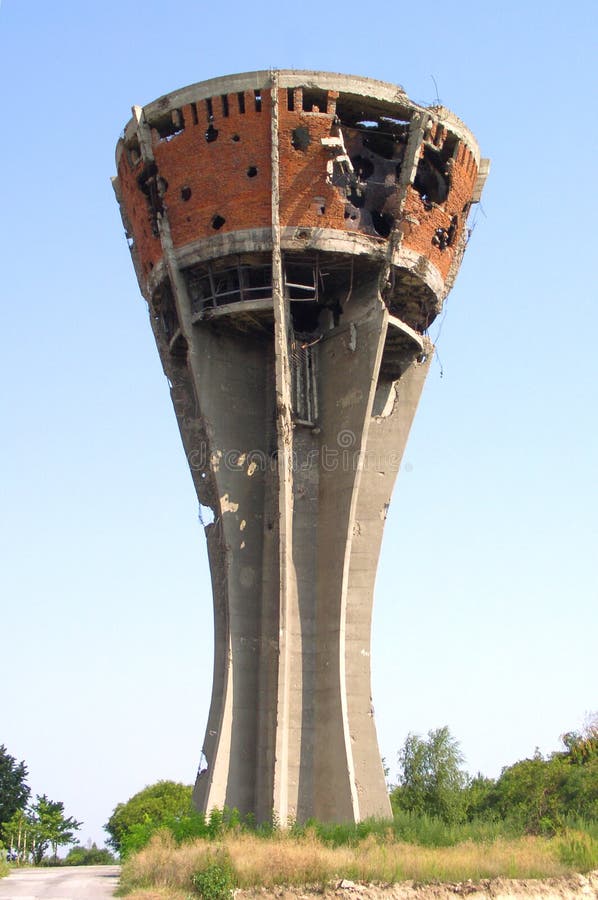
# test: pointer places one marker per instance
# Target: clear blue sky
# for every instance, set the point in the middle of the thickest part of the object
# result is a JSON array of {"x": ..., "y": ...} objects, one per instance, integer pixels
[{"x": 485, "y": 614}]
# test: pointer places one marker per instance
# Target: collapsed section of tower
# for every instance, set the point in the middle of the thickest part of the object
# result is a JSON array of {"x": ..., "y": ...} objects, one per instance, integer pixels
[{"x": 294, "y": 234}]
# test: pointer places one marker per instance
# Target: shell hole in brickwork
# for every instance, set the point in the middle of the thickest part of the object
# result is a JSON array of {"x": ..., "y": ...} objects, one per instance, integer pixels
[
  {"x": 315, "y": 101},
  {"x": 300, "y": 138},
  {"x": 211, "y": 134},
  {"x": 382, "y": 222},
  {"x": 445, "y": 237},
  {"x": 169, "y": 125},
  {"x": 235, "y": 138},
  {"x": 185, "y": 193},
  {"x": 217, "y": 222},
  {"x": 319, "y": 205},
  {"x": 251, "y": 172},
  {"x": 431, "y": 179}
]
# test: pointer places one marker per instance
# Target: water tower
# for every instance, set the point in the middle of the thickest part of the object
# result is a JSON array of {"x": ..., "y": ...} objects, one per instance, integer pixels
[{"x": 294, "y": 235}]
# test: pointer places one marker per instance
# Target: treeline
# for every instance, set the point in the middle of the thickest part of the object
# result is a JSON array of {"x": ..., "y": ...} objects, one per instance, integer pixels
[
  {"x": 540, "y": 795},
  {"x": 435, "y": 802},
  {"x": 31, "y": 828}
]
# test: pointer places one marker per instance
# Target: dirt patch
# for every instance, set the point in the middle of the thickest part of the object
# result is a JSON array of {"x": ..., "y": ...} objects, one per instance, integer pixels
[{"x": 565, "y": 888}]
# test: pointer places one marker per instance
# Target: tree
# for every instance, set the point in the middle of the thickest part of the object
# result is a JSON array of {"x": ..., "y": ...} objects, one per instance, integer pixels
[
  {"x": 431, "y": 780},
  {"x": 89, "y": 856},
  {"x": 51, "y": 827},
  {"x": 154, "y": 804},
  {"x": 18, "y": 833},
  {"x": 14, "y": 790}
]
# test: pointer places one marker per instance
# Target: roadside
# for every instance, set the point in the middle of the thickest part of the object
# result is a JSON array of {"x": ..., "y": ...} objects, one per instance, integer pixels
[{"x": 72, "y": 883}]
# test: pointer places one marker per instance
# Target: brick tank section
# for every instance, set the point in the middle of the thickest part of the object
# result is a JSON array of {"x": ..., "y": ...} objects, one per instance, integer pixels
[
  {"x": 426, "y": 221},
  {"x": 211, "y": 173},
  {"x": 306, "y": 198},
  {"x": 221, "y": 165},
  {"x": 139, "y": 222}
]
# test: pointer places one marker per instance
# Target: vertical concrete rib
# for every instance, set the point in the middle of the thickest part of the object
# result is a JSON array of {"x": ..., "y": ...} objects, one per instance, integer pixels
[{"x": 284, "y": 426}]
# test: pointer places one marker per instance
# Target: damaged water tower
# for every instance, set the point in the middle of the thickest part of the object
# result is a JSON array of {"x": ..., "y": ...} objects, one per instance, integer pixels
[{"x": 294, "y": 234}]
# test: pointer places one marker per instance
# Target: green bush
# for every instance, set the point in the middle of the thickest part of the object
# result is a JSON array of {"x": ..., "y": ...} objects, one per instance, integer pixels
[
  {"x": 89, "y": 856},
  {"x": 579, "y": 851},
  {"x": 216, "y": 881}
]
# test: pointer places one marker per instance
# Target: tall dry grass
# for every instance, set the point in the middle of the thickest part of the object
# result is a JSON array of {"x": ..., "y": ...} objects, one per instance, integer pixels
[{"x": 286, "y": 860}]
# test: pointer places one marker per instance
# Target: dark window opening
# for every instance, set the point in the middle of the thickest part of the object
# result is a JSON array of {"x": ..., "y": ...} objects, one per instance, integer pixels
[
  {"x": 382, "y": 222},
  {"x": 300, "y": 281},
  {"x": 179, "y": 347},
  {"x": 314, "y": 100},
  {"x": 209, "y": 109},
  {"x": 224, "y": 100},
  {"x": 218, "y": 221},
  {"x": 194, "y": 113},
  {"x": 185, "y": 193},
  {"x": 226, "y": 283},
  {"x": 257, "y": 282},
  {"x": 257, "y": 95},
  {"x": 211, "y": 134},
  {"x": 200, "y": 289},
  {"x": 169, "y": 125},
  {"x": 432, "y": 179},
  {"x": 290, "y": 99},
  {"x": 213, "y": 287},
  {"x": 449, "y": 146},
  {"x": 251, "y": 172},
  {"x": 304, "y": 384},
  {"x": 241, "y": 99},
  {"x": 363, "y": 168},
  {"x": 300, "y": 138},
  {"x": 356, "y": 196},
  {"x": 163, "y": 303},
  {"x": 383, "y": 143}
]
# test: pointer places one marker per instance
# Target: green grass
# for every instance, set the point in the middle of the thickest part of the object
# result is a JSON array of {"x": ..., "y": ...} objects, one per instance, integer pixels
[{"x": 321, "y": 855}]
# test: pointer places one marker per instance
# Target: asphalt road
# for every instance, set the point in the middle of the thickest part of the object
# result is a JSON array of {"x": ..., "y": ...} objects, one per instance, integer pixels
[{"x": 73, "y": 883}]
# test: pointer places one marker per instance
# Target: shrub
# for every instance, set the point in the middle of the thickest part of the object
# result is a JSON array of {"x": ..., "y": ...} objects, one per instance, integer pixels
[
  {"x": 216, "y": 881},
  {"x": 579, "y": 851}
]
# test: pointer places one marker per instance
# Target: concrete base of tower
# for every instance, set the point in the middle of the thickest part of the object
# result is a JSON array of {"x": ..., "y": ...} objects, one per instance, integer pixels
[{"x": 291, "y": 732}]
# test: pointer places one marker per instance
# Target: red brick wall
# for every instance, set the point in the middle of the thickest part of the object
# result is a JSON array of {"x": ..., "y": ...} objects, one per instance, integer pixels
[
  {"x": 419, "y": 237},
  {"x": 149, "y": 248},
  {"x": 214, "y": 177},
  {"x": 303, "y": 172},
  {"x": 216, "y": 172}
]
